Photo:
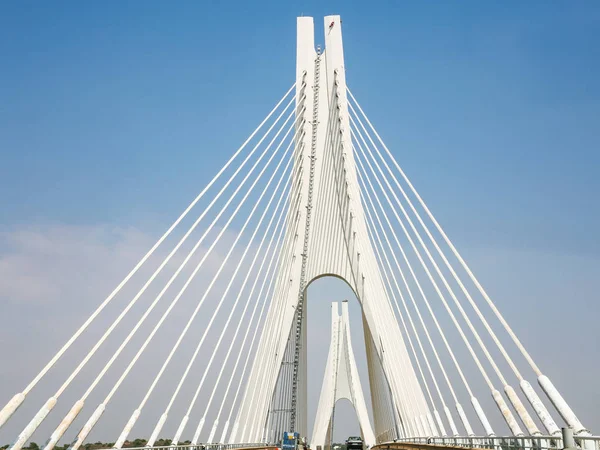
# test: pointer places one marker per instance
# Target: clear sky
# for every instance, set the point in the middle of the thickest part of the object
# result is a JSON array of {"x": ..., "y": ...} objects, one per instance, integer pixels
[{"x": 113, "y": 115}]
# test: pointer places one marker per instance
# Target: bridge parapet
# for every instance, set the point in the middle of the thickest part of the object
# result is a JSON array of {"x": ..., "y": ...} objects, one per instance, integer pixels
[
  {"x": 487, "y": 442},
  {"x": 252, "y": 446}
]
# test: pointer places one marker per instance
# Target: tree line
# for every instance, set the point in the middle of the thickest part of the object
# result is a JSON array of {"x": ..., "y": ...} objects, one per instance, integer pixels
[{"x": 98, "y": 445}]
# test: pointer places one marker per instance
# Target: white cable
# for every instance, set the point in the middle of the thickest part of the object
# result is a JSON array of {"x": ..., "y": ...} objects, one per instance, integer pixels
[
  {"x": 431, "y": 312},
  {"x": 12, "y": 405},
  {"x": 406, "y": 392},
  {"x": 376, "y": 238},
  {"x": 284, "y": 397},
  {"x": 410, "y": 387},
  {"x": 480, "y": 413},
  {"x": 268, "y": 231},
  {"x": 205, "y": 256},
  {"x": 270, "y": 293},
  {"x": 519, "y": 407},
  {"x": 426, "y": 269},
  {"x": 343, "y": 210},
  {"x": 432, "y": 260},
  {"x": 247, "y": 329},
  {"x": 430, "y": 276},
  {"x": 136, "y": 413},
  {"x": 190, "y": 278},
  {"x": 272, "y": 368},
  {"x": 286, "y": 247},
  {"x": 116, "y": 322},
  {"x": 370, "y": 226},
  {"x": 456, "y": 253},
  {"x": 232, "y": 278},
  {"x": 261, "y": 353},
  {"x": 280, "y": 335},
  {"x": 239, "y": 264},
  {"x": 43, "y": 412},
  {"x": 530, "y": 394},
  {"x": 560, "y": 404},
  {"x": 264, "y": 278},
  {"x": 408, "y": 405},
  {"x": 415, "y": 278},
  {"x": 211, "y": 284},
  {"x": 268, "y": 366},
  {"x": 172, "y": 279},
  {"x": 267, "y": 349},
  {"x": 423, "y": 353},
  {"x": 448, "y": 265}
]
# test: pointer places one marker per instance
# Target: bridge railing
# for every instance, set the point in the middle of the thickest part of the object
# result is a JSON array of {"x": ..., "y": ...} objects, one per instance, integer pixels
[
  {"x": 500, "y": 442},
  {"x": 252, "y": 446}
]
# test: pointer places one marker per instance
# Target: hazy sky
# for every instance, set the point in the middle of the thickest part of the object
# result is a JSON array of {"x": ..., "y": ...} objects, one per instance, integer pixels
[{"x": 114, "y": 115}]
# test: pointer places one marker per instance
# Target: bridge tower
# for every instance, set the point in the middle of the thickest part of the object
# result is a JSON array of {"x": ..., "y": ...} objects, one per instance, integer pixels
[
  {"x": 341, "y": 381},
  {"x": 327, "y": 236}
]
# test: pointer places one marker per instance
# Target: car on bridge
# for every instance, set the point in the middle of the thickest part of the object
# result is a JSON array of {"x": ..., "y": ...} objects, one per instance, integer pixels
[{"x": 354, "y": 443}]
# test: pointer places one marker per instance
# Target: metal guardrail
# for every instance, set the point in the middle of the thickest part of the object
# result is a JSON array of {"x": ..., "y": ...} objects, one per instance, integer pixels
[
  {"x": 471, "y": 442},
  {"x": 502, "y": 442},
  {"x": 201, "y": 447}
]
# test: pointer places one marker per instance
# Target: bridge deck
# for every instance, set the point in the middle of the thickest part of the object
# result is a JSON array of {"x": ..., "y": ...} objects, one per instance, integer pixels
[{"x": 414, "y": 446}]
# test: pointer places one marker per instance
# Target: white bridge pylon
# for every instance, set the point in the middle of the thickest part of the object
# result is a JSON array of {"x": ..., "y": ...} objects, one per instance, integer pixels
[
  {"x": 341, "y": 381},
  {"x": 330, "y": 237}
]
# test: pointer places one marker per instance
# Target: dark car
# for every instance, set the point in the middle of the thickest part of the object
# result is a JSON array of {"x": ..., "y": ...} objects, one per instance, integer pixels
[{"x": 354, "y": 443}]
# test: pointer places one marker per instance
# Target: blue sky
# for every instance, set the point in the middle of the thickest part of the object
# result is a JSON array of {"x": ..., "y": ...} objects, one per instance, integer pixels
[
  {"x": 105, "y": 105},
  {"x": 117, "y": 114}
]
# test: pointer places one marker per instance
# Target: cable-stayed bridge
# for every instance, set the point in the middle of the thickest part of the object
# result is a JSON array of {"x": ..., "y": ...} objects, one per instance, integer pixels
[{"x": 313, "y": 192}]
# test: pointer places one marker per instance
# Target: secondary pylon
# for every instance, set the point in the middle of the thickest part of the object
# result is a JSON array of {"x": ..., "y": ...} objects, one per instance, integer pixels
[{"x": 341, "y": 381}]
